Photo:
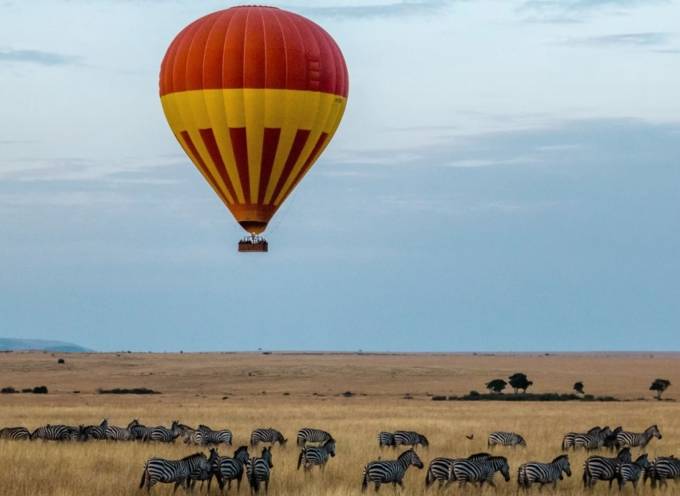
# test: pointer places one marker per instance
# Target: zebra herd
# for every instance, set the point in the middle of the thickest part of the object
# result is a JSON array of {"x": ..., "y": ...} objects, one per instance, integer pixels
[{"x": 317, "y": 446}]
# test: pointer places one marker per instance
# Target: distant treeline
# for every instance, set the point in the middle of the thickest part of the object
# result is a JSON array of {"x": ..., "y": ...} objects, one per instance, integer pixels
[
  {"x": 128, "y": 391},
  {"x": 476, "y": 396}
]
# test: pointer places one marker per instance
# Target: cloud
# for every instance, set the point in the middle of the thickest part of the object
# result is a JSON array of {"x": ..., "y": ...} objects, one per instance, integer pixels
[
  {"x": 574, "y": 11},
  {"x": 37, "y": 57},
  {"x": 393, "y": 9},
  {"x": 624, "y": 39}
]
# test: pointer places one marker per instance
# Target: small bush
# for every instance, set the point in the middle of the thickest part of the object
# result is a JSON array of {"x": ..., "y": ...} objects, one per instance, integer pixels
[
  {"x": 128, "y": 391},
  {"x": 8, "y": 390},
  {"x": 27, "y": 390},
  {"x": 438, "y": 398},
  {"x": 348, "y": 394},
  {"x": 40, "y": 390},
  {"x": 61, "y": 361}
]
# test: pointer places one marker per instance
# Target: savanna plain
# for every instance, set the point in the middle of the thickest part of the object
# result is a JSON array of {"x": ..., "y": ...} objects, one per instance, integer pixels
[{"x": 243, "y": 391}]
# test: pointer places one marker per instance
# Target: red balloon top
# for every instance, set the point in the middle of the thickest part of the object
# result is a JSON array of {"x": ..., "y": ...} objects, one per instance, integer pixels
[{"x": 254, "y": 47}]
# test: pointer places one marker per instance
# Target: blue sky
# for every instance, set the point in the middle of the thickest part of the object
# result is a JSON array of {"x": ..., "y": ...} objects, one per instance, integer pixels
[{"x": 506, "y": 178}]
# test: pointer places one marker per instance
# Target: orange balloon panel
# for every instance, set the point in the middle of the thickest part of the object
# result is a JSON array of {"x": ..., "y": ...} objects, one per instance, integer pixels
[{"x": 254, "y": 96}]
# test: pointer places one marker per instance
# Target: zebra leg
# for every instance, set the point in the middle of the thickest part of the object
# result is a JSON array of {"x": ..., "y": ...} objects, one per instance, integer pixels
[
  {"x": 377, "y": 486},
  {"x": 266, "y": 486}
]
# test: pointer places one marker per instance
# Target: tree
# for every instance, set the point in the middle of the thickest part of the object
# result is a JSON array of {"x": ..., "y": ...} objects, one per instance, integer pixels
[
  {"x": 497, "y": 385},
  {"x": 578, "y": 387},
  {"x": 519, "y": 381},
  {"x": 659, "y": 385}
]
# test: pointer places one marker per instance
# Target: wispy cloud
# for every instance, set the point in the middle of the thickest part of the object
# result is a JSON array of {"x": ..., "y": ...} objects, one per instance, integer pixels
[
  {"x": 573, "y": 11},
  {"x": 37, "y": 57},
  {"x": 377, "y": 10},
  {"x": 623, "y": 39}
]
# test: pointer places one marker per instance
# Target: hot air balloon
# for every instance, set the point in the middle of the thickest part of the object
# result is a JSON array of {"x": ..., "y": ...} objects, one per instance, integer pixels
[{"x": 253, "y": 95}]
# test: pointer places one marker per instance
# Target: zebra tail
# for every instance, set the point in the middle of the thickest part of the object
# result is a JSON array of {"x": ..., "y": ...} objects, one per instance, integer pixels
[
  {"x": 302, "y": 454},
  {"x": 364, "y": 481},
  {"x": 141, "y": 483},
  {"x": 429, "y": 478}
]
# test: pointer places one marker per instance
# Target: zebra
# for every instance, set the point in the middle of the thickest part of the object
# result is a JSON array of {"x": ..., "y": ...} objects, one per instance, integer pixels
[
  {"x": 139, "y": 432},
  {"x": 386, "y": 439},
  {"x": 97, "y": 432},
  {"x": 568, "y": 440},
  {"x": 505, "y": 439},
  {"x": 543, "y": 473},
  {"x": 204, "y": 435},
  {"x": 481, "y": 471},
  {"x": 313, "y": 455},
  {"x": 115, "y": 433},
  {"x": 410, "y": 438},
  {"x": 439, "y": 469},
  {"x": 662, "y": 469},
  {"x": 15, "y": 433},
  {"x": 54, "y": 433},
  {"x": 630, "y": 472},
  {"x": 635, "y": 439},
  {"x": 202, "y": 474},
  {"x": 610, "y": 439},
  {"x": 229, "y": 469},
  {"x": 165, "y": 435},
  {"x": 259, "y": 470},
  {"x": 168, "y": 471},
  {"x": 592, "y": 441},
  {"x": 309, "y": 435},
  {"x": 602, "y": 468},
  {"x": 389, "y": 471},
  {"x": 269, "y": 435}
]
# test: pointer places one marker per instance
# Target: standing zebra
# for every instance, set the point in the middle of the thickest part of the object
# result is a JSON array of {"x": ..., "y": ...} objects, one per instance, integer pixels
[
  {"x": 97, "y": 432},
  {"x": 481, "y": 471},
  {"x": 165, "y": 435},
  {"x": 139, "y": 432},
  {"x": 568, "y": 440},
  {"x": 610, "y": 439},
  {"x": 662, "y": 469},
  {"x": 389, "y": 471},
  {"x": 168, "y": 471},
  {"x": 410, "y": 438},
  {"x": 308, "y": 435},
  {"x": 15, "y": 433},
  {"x": 440, "y": 468},
  {"x": 505, "y": 439},
  {"x": 386, "y": 439},
  {"x": 204, "y": 435},
  {"x": 202, "y": 474},
  {"x": 313, "y": 455},
  {"x": 259, "y": 470},
  {"x": 54, "y": 433},
  {"x": 115, "y": 433},
  {"x": 229, "y": 469},
  {"x": 269, "y": 435},
  {"x": 631, "y": 472},
  {"x": 602, "y": 468},
  {"x": 592, "y": 441},
  {"x": 543, "y": 473},
  {"x": 635, "y": 439}
]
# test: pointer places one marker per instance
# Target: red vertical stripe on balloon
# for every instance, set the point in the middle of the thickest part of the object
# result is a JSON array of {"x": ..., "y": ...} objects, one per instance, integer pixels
[
  {"x": 239, "y": 144},
  {"x": 198, "y": 160},
  {"x": 269, "y": 145},
  {"x": 210, "y": 143},
  {"x": 310, "y": 160},
  {"x": 298, "y": 144}
]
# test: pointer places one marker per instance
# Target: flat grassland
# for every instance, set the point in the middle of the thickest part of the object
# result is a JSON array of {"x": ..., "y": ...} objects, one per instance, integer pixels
[{"x": 288, "y": 391}]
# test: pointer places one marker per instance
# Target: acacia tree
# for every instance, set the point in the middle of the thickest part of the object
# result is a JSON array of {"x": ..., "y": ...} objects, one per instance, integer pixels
[
  {"x": 519, "y": 381},
  {"x": 659, "y": 385},
  {"x": 497, "y": 385},
  {"x": 578, "y": 387}
]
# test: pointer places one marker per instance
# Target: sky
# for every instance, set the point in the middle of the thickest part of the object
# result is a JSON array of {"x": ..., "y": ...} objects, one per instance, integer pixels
[{"x": 506, "y": 178}]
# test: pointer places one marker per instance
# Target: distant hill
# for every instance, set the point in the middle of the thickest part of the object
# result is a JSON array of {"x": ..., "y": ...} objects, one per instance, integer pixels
[{"x": 39, "y": 344}]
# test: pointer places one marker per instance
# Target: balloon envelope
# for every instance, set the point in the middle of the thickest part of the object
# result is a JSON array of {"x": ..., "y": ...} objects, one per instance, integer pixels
[{"x": 254, "y": 96}]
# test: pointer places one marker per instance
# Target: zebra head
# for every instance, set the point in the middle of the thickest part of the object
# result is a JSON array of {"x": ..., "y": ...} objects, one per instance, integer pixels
[
  {"x": 214, "y": 456},
  {"x": 104, "y": 423},
  {"x": 410, "y": 457},
  {"x": 562, "y": 462},
  {"x": 329, "y": 446},
  {"x": 501, "y": 463},
  {"x": 267, "y": 456},
  {"x": 133, "y": 423},
  {"x": 624, "y": 455},
  {"x": 422, "y": 440},
  {"x": 642, "y": 461},
  {"x": 241, "y": 454},
  {"x": 654, "y": 431},
  {"x": 282, "y": 440},
  {"x": 521, "y": 441}
]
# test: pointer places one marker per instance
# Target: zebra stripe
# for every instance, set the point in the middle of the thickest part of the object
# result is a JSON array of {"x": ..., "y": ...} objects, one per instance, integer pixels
[
  {"x": 259, "y": 470},
  {"x": 229, "y": 469},
  {"x": 139, "y": 432},
  {"x": 15, "y": 433},
  {"x": 313, "y": 455},
  {"x": 54, "y": 433},
  {"x": 635, "y": 439},
  {"x": 97, "y": 432},
  {"x": 165, "y": 435},
  {"x": 204, "y": 435},
  {"x": 115, "y": 433},
  {"x": 410, "y": 438},
  {"x": 386, "y": 439},
  {"x": 662, "y": 469},
  {"x": 631, "y": 472},
  {"x": 178, "y": 471},
  {"x": 598, "y": 468},
  {"x": 591, "y": 441},
  {"x": 268, "y": 435},
  {"x": 389, "y": 471},
  {"x": 506, "y": 439},
  {"x": 543, "y": 473},
  {"x": 480, "y": 471},
  {"x": 440, "y": 469},
  {"x": 309, "y": 435}
]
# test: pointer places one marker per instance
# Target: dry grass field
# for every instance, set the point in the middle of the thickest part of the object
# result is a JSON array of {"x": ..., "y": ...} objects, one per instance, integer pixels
[{"x": 194, "y": 385}]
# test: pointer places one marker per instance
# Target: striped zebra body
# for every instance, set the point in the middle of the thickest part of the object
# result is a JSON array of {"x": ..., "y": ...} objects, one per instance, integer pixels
[
  {"x": 591, "y": 441},
  {"x": 173, "y": 471},
  {"x": 54, "y": 433},
  {"x": 269, "y": 435},
  {"x": 543, "y": 473},
  {"x": 662, "y": 469},
  {"x": 205, "y": 472},
  {"x": 165, "y": 435},
  {"x": 115, "y": 433},
  {"x": 631, "y": 472},
  {"x": 441, "y": 469},
  {"x": 259, "y": 471},
  {"x": 598, "y": 468},
  {"x": 635, "y": 439},
  {"x": 139, "y": 432},
  {"x": 15, "y": 433},
  {"x": 410, "y": 438},
  {"x": 481, "y": 471},
  {"x": 610, "y": 439},
  {"x": 505, "y": 439},
  {"x": 229, "y": 469},
  {"x": 97, "y": 432},
  {"x": 311, "y": 456},
  {"x": 389, "y": 471},
  {"x": 386, "y": 439},
  {"x": 308, "y": 435},
  {"x": 568, "y": 440},
  {"x": 204, "y": 436}
]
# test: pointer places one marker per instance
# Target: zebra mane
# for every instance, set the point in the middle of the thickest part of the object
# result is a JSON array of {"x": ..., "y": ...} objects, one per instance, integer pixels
[
  {"x": 195, "y": 455},
  {"x": 559, "y": 458},
  {"x": 652, "y": 427},
  {"x": 406, "y": 453}
]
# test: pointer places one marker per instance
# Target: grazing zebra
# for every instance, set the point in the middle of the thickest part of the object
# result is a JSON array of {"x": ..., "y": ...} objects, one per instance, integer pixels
[
  {"x": 635, "y": 439},
  {"x": 168, "y": 471},
  {"x": 440, "y": 468},
  {"x": 543, "y": 473},
  {"x": 271, "y": 436},
  {"x": 410, "y": 438},
  {"x": 15, "y": 433},
  {"x": 602, "y": 468},
  {"x": 204, "y": 435},
  {"x": 505, "y": 439},
  {"x": 631, "y": 472},
  {"x": 313, "y": 455},
  {"x": 592, "y": 441},
  {"x": 389, "y": 471},
  {"x": 259, "y": 470},
  {"x": 662, "y": 469},
  {"x": 139, "y": 432},
  {"x": 54, "y": 433},
  {"x": 308, "y": 435},
  {"x": 568, "y": 440},
  {"x": 97, "y": 432},
  {"x": 481, "y": 471},
  {"x": 610, "y": 439},
  {"x": 115, "y": 433},
  {"x": 229, "y": 469},
  {"x": 386, "y": 439},
  {"x": 165, "y": 435}
]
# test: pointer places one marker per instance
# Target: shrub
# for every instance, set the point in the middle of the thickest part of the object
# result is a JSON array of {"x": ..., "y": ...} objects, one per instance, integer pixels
[
  {"x": 141, "y": 390},
  {"x": 8, "y": 390},
  {"x": 61, "y": 361},
  {"x": 40, "y": 390}
]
